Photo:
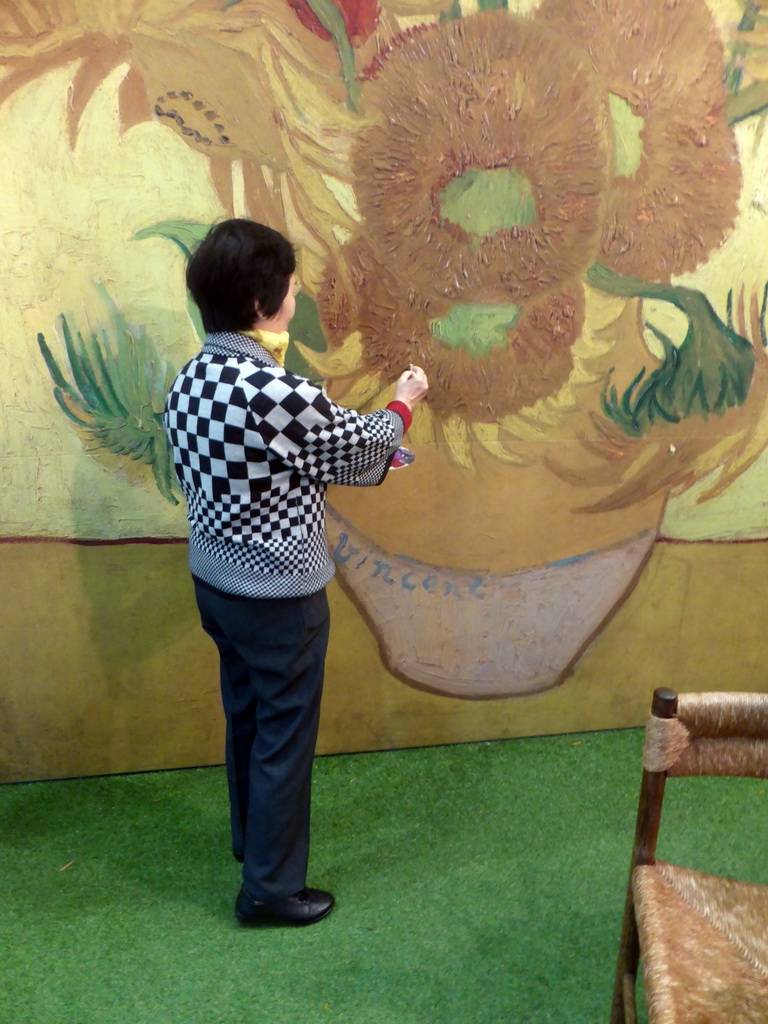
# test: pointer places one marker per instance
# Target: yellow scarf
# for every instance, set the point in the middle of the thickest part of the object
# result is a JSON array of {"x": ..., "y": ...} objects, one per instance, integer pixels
[{"x": 275, "y": 344}]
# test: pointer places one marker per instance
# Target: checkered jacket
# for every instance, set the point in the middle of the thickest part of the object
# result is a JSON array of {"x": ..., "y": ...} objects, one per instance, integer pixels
[{"x": 254, "y": 448}]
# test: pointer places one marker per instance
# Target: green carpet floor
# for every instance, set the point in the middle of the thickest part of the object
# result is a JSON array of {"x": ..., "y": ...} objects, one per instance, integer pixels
[{"x": 475, "y": 884}]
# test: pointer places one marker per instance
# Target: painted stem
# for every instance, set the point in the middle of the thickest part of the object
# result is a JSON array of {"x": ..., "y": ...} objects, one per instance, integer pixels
[
  {"x": 708, "y": 373},
  {"x": 750, "y": 101},
  {"x": 331, "y": 18}
]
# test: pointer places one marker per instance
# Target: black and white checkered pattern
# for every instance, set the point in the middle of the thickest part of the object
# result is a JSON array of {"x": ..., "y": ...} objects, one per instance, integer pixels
[{"x": 255, "y": 447}]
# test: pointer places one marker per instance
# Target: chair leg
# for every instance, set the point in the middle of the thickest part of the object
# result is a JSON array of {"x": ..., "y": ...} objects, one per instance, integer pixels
[
  {"x": 623, "y": 1008},
  {"x": 630, "y": 998}
]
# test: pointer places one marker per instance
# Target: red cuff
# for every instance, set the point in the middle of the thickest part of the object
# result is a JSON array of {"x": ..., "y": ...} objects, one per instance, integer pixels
[{"x": 402, "y": 410}]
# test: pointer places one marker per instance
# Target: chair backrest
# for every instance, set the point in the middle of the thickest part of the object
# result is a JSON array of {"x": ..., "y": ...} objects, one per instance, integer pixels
[
  {"x": 708, "y": 734},
  {"x": 715, "y": 733}
]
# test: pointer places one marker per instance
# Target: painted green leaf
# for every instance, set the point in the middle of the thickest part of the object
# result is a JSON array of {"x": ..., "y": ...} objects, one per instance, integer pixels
[
  {"x": 748, "y": 102},
  {"x": 306, "y": 328},
  {"x": 707, "y": 374},
  {"x": 186, "y": 235},
  {"x": 115, "y": 391}
]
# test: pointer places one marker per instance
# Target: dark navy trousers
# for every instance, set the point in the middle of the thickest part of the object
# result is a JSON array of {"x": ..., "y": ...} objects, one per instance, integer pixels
[{"x": 272, "y": 658}]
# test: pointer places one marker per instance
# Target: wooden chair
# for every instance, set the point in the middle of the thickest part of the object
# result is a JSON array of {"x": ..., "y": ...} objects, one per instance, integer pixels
[{"x": 703, "y": 939}]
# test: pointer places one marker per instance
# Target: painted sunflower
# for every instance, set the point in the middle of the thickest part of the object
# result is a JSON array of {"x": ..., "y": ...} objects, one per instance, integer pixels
[
  {"x": 245, "y": 84},
  {"x": 184, "y": 58},
  {"x": 476, "y": 229},
  {"x": 676, "y": 190},
  {"x": 485, "y": 171},
  {"x": 441, "y": 269},
  {"x": 484, "y": 361}
]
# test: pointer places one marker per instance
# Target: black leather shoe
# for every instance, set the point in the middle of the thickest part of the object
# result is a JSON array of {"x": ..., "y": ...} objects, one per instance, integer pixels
[{"x": 305, "y": 907}]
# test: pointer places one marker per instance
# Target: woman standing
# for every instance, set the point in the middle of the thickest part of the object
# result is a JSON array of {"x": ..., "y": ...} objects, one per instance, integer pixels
[{"x": 255, "y": 447}]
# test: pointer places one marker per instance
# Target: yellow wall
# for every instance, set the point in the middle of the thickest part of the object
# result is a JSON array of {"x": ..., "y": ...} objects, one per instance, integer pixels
[{"x": 106, "y": 669}]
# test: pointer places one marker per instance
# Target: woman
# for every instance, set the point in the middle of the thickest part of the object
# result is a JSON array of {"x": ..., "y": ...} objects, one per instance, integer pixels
[{"x": 255, "y": 447}]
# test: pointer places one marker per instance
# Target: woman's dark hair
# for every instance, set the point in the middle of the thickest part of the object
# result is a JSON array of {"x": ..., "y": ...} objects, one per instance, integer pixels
[{"x": 238, "y": 265}]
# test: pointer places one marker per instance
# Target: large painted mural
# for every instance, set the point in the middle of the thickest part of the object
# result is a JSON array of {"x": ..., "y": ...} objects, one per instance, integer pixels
[{"x": 558, "y": 208}]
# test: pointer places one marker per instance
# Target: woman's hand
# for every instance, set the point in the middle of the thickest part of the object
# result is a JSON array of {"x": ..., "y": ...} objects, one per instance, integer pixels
[{"x": 411, "y": 387}]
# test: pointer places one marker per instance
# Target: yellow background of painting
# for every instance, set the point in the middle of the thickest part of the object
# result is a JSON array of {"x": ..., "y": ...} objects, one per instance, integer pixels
[{"x": 104, "y": 664}]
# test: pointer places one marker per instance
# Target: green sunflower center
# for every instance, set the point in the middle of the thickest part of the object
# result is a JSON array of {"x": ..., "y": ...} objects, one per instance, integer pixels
[
  {"x": 627, "y": 127},
  {"x": 486, "y": 201},
  {"x": 475, "y": 327}
]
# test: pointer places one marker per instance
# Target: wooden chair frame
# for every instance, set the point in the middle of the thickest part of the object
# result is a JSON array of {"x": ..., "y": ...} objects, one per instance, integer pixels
[
  {"x": 623, "y": 1007},
  {"x": 748, "y": 732}
]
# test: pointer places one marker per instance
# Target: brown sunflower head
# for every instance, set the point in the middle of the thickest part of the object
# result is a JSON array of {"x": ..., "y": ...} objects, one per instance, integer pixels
[
  {"x": 484, "y": 174},
  {"x": 677, "y": 175},
  {"x": 483, "y": 360}
]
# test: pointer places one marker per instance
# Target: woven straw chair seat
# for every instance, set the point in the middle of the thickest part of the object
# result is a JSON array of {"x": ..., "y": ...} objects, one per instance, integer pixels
[{"x": 704, "y": 943}]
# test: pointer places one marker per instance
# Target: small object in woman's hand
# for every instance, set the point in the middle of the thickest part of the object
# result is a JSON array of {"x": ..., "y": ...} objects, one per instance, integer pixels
[{"x": 403, "y": 457}]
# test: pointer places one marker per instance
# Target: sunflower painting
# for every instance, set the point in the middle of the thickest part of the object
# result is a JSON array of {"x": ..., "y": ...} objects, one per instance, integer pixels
[{"x": 556, "y": 207}]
